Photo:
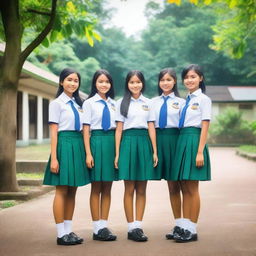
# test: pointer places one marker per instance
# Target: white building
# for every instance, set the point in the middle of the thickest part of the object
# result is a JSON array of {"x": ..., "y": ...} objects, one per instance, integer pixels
[{"x": 242, "y": 98}]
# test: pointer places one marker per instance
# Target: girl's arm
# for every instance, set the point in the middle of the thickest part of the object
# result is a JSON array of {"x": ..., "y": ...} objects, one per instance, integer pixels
[
  {"x": 118, "y": 136},
  {"x": 89, "y": 157},
  {"x": 202, "y": 142},
  {"x": 152, "y": 135},
  {"x": 54, "y": 141}
]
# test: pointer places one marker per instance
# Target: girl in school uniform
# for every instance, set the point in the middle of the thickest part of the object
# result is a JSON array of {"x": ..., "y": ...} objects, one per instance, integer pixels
[
  {"x": 192, "y": 161},
  {"x": 166, "y": 113},
  {"x": 136, "y": 152},
  {"x": 66, "y": 167},
  {"x": 99, "y": 131}
]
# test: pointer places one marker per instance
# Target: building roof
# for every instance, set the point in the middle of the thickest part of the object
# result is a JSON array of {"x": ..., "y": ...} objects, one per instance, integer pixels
[{"x": 231, "y": 93}]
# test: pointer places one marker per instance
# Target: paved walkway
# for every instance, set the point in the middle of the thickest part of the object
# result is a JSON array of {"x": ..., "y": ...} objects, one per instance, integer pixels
[{"x": 227, "y": 224}]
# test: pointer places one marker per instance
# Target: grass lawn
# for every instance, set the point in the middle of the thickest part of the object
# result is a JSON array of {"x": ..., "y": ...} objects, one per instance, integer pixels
[
  {"x": 248, "y": 149},
  {"x": 33, "y": 152}
]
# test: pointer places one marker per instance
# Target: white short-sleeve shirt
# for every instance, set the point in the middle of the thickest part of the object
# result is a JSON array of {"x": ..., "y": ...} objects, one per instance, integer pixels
[
  {"x": 61, "y": 113},
  {"x": 138, "y": 113},
  {"x": 93, "y": 109},
  {"x": 174, "y": 106},
  {"x": 199, "y": 109}
]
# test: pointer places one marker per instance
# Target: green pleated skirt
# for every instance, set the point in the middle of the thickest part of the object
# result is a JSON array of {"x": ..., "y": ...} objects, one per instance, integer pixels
[
  {"x": 166, "y": 148},
  {"x": 71, "y": 158},
  {"x": 185, "y": 157},
  {"x": 103, "y": 152},
  {"x": 136, "y": 156}
]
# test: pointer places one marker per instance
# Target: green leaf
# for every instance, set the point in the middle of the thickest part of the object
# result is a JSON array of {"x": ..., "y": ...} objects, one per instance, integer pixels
[{"x": 45, "y": 42}]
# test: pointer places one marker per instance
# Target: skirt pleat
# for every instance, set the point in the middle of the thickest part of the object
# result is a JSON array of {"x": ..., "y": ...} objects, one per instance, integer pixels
[
  {"x": 185, "y": 157},
  {"x": 71, "y": 158},
  {"x": 136, "y": 156},
  {"x": 166, "y": 148},
  {"x": 103, "y": 151}
]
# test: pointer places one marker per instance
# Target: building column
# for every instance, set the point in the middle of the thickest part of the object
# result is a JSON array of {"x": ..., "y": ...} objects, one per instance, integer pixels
[
  {"x": 25, "y": 118},
  {"x": 39, "y": 119}
]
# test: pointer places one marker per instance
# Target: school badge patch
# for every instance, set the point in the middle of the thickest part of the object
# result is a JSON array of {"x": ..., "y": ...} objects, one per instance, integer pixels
[
  {"x": 113, "y": 106},
  {"x": 145, "y": 107},
  {"x": 176, "y": 105},
  {"x": 195, "y": 106}
]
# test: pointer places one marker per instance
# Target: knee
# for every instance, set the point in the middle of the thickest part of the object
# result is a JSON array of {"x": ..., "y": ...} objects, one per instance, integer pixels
[
  {"x": 141, "y": 192},
  {"x": 61, "y": 191},
  {"x": 174, "y": 188}
]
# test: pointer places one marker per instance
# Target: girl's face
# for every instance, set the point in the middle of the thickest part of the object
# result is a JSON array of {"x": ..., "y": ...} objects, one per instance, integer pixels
[
  {"x": 192, "y": 81},
  {"x": 102, "y": 85},
  {"x": 167, "y": 83},
  {"x": 135, "y": 86},
  {"x": 70, "y": 84}
]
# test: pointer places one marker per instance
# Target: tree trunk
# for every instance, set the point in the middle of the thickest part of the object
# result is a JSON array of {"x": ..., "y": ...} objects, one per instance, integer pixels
[{"x": 8, "y": 101}]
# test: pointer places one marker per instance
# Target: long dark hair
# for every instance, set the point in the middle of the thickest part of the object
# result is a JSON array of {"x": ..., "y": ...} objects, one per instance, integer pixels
[
  {"x": 127, "y": 94},
  {"x": 198, "y": 70},
  {"x": 172, "y": 73},
  {"x": 99, "y": 72},
  {"x": 63, "y": 74}
]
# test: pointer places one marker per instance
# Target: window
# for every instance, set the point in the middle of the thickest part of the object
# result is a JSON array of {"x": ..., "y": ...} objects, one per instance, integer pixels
[
  {"x": 19, "y": 116},
  {"x": 32, "y": 116},
  {"x": 245, "y": 106},
  {"x": 46, "y": 133}
]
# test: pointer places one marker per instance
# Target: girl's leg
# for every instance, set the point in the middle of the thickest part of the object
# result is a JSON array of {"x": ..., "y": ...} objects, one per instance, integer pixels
[
  {"x": 193, "y": 189},
  {"x": 175, "y": 198},
  {"x": 186, "y": 199},
  {"x": 140, "y": 199},
  {"x": 59, "y": 203},
  {"x": 70, "y": 203},
  {"x": 105, "y": 199},
  {"x": 95, "y": 200},
  {"x": 128, "y": 199}
]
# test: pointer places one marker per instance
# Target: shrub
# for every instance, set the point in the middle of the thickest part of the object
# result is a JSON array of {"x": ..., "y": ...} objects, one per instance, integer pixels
[{"x": 230, "y": 128}]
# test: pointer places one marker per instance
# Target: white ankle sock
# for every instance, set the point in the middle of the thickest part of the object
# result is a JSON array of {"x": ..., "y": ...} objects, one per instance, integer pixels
[
  {"x": 103, "y": 223},
  {"x": 60, "y": 229},
  {"x": 130, "y": 226},
  {"x": 178, "y": 222},
  {"x": 137, "y": 224},
  {"x": 192, "y": 227},
  {"x": 96, "y": 226},
  {"x": 185, "y": 223},
  {"x": 68, "y": 226}
]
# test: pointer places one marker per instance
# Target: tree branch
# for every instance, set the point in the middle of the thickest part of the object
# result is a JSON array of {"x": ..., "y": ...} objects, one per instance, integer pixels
[
  {"x": 42, "y": 35},
  {"x": 39, "y": 12}
]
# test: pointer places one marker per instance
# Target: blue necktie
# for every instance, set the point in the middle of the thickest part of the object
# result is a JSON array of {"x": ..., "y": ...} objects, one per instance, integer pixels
[
  {"x": 76, "y": 114},
  {"x": 105, "y": 122},
  {"x": 183, "y": 113},
  {"x": 163, "y": 114}
]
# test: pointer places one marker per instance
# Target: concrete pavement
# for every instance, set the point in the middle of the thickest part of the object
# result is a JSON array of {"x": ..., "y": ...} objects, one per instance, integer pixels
[{"x": 227, "y": 223}]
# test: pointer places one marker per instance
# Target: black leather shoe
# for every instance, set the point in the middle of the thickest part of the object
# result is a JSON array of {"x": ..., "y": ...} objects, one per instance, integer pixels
[
  {"x": 137, "y": 235},
  {"x": 65, "y": 240},
  {"x": 186, "y": 236},
  {"x": 176, "y": 231},
  {"x": 104, "y": 234},
  {"x": 76, "y": 238}
]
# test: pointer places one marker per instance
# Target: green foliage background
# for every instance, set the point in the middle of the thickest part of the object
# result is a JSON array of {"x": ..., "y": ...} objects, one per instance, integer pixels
[{"x": 175, "y": 36}]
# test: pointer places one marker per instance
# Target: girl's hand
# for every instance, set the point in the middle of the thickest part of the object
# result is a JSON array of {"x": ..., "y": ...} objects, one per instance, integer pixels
[
  {"x": 89, "y": 161},
  {"x": 155, "y": 160},
  {"x": 199, "y": 160},
  {"x": 54, "y": 166},
  {"x": 116, "y": 162}
]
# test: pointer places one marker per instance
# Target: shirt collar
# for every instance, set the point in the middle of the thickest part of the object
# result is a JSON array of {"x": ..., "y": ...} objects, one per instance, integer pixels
[
  {"x": 98, "y": 98},
  {"x": 65, "y": 98},
  {"x": 141, "y": 98},
  {"x": 171, "y": 95},
  {"x": 196, "y": 93}
]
